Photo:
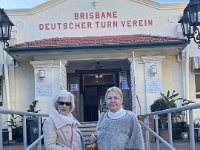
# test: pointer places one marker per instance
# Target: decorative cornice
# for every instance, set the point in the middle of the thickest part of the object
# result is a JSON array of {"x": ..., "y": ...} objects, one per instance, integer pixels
[
  {"x": 47, "y": 63},
  {"x": 51, "y": 3},
  {"x": 34, "y": 10},
  {"x": 151, "y": 59},
  {"x": 161, "y": 6}
]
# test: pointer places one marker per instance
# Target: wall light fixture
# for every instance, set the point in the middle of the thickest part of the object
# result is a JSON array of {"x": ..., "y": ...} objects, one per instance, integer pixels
[
  {"x": 41, "y": 74},
  {"x": 153, "y": 69}
]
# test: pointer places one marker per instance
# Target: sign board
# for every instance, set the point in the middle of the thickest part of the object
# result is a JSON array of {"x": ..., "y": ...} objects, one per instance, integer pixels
[
  {"x": 43, "y": 90},
  {"x": 154, "y": 86}
]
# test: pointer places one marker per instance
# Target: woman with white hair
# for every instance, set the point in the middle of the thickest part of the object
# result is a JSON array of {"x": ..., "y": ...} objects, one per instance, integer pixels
[{"x": 61, "y": 128}]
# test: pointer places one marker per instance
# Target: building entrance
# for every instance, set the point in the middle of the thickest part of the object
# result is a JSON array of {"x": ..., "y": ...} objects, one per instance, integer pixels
[
  {"x": 95, "y": 86},
  {"x": 92, "y": 97},
  {"x": 88, "y": 80}
]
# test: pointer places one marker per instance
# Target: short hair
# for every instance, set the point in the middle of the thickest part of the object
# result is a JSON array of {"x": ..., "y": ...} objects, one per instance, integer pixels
[
  {"x": 65, "y": 93},
  {"x": 116, "y": 90}
]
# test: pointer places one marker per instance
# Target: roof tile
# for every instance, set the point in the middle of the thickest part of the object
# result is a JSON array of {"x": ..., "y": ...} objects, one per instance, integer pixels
[{"x": 95, "y": 40}]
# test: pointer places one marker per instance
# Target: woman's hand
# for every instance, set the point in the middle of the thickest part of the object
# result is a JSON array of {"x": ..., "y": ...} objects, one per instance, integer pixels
[{"x": 93, "y": 138}]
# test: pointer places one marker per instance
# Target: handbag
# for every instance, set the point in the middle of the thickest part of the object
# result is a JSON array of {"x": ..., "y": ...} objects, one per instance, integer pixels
[{"x": 92, "y": 146}]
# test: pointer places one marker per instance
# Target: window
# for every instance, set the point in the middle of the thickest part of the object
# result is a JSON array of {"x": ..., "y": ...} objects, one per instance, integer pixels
[{"x": 197, "y": 83}]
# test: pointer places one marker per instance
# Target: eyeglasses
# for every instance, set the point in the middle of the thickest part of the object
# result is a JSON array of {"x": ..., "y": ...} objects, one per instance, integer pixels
[{"x": 62, "y": 103}]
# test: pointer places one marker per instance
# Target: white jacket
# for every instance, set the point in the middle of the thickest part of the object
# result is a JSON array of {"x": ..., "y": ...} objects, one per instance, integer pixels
[{"x": 57, "y": 131}]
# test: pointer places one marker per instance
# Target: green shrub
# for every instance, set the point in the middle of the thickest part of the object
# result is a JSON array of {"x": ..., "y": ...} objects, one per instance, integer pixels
[{"x": 165, "y": 102}]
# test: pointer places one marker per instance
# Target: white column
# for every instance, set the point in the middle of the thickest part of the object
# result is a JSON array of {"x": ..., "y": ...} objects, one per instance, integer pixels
[
  {"x": 150, "y": 96},
  {"x": 187, "y": 70},
  {"x": 133, "y": 86},
  {"x": 50, "y": 77}
]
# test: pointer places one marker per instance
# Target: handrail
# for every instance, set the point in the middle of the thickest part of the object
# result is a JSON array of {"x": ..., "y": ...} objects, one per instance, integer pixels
[
  {"x": 145, "y": 124},
  {"x": 157, "y": 136},
  {"x": 188, "y": 108},
  {"x": 35, "y": 143},
  {"x": 181, "y": 108},
  {"x": 6, "y": 111},
  {"x": 24, "y": 116}
]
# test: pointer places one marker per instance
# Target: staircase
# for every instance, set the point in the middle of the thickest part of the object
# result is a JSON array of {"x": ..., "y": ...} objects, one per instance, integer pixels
[{"x": 87, "y": 129}]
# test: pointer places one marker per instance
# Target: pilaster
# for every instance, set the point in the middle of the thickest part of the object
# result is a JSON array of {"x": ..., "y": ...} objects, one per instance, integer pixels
[
  {"x": 152, "y": 79},
  {"x": 50, "y": 77},
  {"x": 133, "y": 85}
]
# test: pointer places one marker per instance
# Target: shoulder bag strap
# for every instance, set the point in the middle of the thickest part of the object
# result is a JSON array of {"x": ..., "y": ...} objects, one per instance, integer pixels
[{"x": 71, "y": 139}]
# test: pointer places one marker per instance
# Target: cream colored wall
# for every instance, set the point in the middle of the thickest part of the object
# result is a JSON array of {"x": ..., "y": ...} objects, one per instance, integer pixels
[
  {"x": 24, "y": 85},
  {"x": 46, "y": 89},
  {"x": 172, "y": 75},
  {"x": 140, "y": 85},
  {"x": 165, "y": 18},
  {"x": 143, "y": 75},
  {"x": 194, "y": 51},
  {"x": 51, "y": 80}
]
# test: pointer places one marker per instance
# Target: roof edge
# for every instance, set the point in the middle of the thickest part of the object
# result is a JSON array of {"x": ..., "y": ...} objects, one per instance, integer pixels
[
  {"x": 162, "y": 6},
  {"x": 182, "y": 43}
]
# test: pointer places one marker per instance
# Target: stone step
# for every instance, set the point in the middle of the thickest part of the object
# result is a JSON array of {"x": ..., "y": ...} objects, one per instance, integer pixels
[{"x": 87, "y": 129}]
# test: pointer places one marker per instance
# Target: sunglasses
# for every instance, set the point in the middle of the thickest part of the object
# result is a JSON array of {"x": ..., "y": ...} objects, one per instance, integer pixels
[{"x": 62, "y": 103}]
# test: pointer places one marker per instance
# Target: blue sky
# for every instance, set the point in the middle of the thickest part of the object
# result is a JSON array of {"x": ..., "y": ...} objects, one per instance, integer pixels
[
  {"x": 9, "y": 4},
  {"x": 6, "y": 4}
]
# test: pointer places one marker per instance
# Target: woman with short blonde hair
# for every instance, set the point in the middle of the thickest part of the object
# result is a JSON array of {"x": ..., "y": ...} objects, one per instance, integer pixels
[{"x": 118, "y": 129}]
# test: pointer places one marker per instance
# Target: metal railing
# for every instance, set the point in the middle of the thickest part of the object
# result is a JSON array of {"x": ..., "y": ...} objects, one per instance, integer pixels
[
  {"x": 24, "y": 119},
  {"x": 169, "y": 144},
  {"x": 145, "y": 124}
]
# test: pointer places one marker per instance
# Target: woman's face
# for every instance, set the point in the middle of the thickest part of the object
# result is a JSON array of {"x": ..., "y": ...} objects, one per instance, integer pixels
[
  {"x": 64, "y": 105},
  {"x": 114, "y": 101}
]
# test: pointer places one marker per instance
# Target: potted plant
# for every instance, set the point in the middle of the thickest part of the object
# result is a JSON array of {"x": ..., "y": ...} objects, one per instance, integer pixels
[
  {"x": 165, "y": 102},
  {"x": 12, "y": 122},
  {"x": 32, "y": 107},
  {"x": 162, "y": 103},
  {"x": 181, "y": 127}
]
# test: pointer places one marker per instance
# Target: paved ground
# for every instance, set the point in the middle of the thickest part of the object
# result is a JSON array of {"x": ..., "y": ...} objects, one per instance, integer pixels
[
  {"x": 16, "y": 147},
  {"x": 179, "y": 145}
]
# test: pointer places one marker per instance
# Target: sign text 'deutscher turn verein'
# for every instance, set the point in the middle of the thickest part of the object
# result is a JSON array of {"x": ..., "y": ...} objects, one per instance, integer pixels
[{"x": 91, "y": 20}]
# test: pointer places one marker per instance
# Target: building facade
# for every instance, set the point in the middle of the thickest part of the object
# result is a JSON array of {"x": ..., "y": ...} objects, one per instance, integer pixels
[{"x": 88, "y": 46}]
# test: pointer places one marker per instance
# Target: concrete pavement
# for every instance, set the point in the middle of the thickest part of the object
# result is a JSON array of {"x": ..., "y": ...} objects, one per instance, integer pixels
[{"x": 179, "y": 145}]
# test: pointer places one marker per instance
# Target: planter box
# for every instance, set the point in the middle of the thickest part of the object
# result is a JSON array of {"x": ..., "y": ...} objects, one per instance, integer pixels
[
  {"x": 151, "y": 125},
  {"x": 17, "y": 134},
  {"x": 5, "y": 135},
  {"x": 32, "y": 129},
  {"x": 164, "y": 134}
]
